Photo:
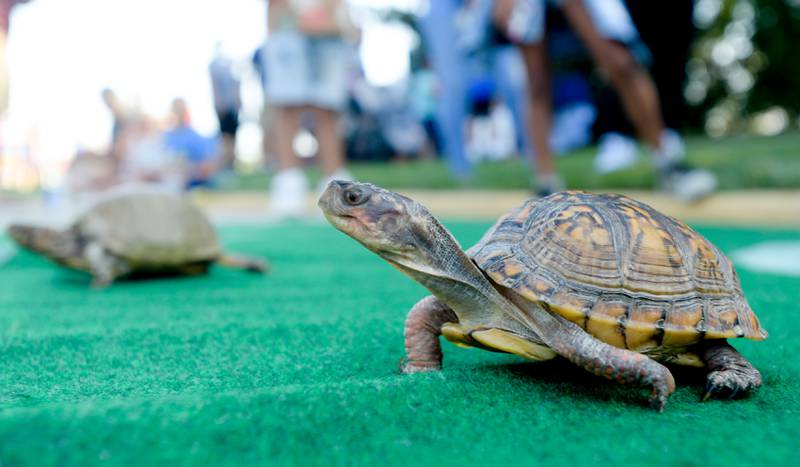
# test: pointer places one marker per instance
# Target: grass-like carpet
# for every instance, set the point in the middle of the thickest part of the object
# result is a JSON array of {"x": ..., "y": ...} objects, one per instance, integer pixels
[{"x": 300, "y": 368}]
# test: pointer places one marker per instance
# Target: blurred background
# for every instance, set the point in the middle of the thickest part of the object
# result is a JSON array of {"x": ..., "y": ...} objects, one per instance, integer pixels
[{"x": 435, "y": 96}]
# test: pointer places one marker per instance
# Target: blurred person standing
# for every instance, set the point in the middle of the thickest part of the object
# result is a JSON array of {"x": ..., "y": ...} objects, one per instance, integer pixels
[
  {"x": 308, "y": 61},
  {"x": 227, "y": 103},
  {"x": 200, "y": 153},
  {"x": 423, "y": 88},
  {"x": 607, "y": 32},
  {"x": 667, "y": 30},
  {"x": 441, "y": 36},
  {"x": 120, "y": 119},
  {"x": 5, "y": 22},
  {"x": 267, "y": 117}
]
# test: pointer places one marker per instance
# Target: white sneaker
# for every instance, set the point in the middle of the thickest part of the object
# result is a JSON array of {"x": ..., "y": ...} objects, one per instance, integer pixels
[
  {"x": 615, "y": 152},
  {"x": 672, "y": 151},
  {"x": 288, "y": 193},
  {"x": 548, "y": 184},
  {"x": 341, "y": 174},
  {"x": 688, "y": 184}
]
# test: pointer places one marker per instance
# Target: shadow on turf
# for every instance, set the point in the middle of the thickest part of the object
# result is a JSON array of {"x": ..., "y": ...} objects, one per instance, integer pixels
[
  {"x": 562, "y": 377},
  {"x": 70, "y": 278}
]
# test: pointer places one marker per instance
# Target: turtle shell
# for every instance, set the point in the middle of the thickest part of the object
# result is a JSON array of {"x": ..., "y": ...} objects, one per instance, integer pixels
[
  {"x": 151, "y": 229},
  {"x": 627, "y": 274}
]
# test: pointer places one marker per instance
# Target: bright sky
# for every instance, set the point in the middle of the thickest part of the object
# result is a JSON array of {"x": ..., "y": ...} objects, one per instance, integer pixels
[{"x": 62, "y": 54}]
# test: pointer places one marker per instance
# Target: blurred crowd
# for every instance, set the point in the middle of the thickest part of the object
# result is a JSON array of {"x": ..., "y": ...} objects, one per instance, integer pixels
[{"x": 488, "y": 80}]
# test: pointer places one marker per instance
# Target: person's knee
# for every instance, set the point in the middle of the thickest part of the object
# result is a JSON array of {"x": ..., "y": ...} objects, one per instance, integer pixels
[
  {"x": 325, "y": 115},
  {"x": 537, "y": 70},
  {"x": 620, "y": 64}
]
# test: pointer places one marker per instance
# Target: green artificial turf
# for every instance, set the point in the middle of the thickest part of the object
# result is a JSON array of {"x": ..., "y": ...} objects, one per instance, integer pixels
[{"x": 300, "y": 368}]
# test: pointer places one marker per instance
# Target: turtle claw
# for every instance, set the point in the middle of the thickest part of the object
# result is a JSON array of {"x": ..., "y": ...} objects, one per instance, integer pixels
[
  {"x": 731, "y": 382},
  {"x": 658, "y": 401}
]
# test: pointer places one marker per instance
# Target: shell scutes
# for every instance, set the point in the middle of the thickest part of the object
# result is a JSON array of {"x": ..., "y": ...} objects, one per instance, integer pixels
[{"x": 626, "y": 273}]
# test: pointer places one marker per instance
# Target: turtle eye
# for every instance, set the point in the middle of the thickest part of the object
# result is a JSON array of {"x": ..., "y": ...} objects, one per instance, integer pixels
[{"x": 354, "y": 196}]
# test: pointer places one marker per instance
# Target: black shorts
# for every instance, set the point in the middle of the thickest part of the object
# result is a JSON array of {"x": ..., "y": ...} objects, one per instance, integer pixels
[{"x": 228, "y": 122}]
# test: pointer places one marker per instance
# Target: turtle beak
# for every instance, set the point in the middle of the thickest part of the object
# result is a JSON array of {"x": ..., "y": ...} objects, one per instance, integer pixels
[{"x": 328, "y": 201}]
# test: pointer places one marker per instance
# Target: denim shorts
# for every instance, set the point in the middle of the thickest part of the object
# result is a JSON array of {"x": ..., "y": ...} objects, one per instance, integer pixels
[{"x": 304, "y": 70}]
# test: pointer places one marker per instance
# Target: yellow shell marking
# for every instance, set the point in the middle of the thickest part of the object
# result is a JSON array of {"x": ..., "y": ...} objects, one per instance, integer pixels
[
  {"x": 510, "y": 343},
  {"x": 456, "y": 334},
  {"x": 604, "y": 324},
  {"x": 496, "y": 339}
]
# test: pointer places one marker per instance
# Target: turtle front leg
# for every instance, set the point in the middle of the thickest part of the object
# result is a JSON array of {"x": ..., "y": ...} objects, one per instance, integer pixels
[
  {"x": 624, "y": 366},
  {"x": 423, "y": 328},
  {"x": 730, "y": 374},
  {"x": 104, "y": 266}
]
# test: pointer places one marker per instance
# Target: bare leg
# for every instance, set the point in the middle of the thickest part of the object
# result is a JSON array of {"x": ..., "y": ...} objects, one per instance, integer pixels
[
  {"x": 540, "y": 107},
  {"x": 630, "y": 80},
  {"x": 331, "y": 150},
  {"x": 228, "y": 151},
  {"x": 595, "y": 356},
  {"x": 104, "y": 266},
  {"x": 286, "y": 125},
  {"x": 729, "y": 373},
  {"x": 423, "y": 328}
]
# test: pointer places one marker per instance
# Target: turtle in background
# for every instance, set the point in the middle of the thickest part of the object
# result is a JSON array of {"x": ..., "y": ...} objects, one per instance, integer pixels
[
  {"x": 142, "y": 233},
  {"x": 604, "y": 281}
]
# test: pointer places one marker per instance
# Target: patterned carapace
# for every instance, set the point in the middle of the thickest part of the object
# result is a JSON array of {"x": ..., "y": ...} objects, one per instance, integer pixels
[{"x": 627, "y": 274}]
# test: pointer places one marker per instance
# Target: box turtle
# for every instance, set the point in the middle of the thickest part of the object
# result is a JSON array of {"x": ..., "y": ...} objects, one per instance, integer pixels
[
  {"x": 604, "y": 281},
  {"x": 134, "y": 233}
]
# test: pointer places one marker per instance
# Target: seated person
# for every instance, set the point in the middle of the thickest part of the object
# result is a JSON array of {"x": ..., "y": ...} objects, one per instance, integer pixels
[{"x": 202, "y": 154}]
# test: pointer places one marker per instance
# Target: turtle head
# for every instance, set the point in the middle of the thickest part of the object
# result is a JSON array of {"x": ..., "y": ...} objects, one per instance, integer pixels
[
  {"x": 395, "y": 227},
  {"x": 62, "y": 246}
]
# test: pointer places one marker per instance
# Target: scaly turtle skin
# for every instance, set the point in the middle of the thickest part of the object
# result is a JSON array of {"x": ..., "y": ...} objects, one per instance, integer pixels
[
  {"x": 142, "y": 232},
  {"x": 605, "y": 281}
]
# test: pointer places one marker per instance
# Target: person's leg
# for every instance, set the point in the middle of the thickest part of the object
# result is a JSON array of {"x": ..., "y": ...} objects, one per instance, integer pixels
[
  {"x": 268, "y": 134},
  {"x": 288, "y": 89},
  {"x": 331, "y": 147},
  {"x": 630, "y": 80},
  {"x": 287, "y": 123},
  {"x": 439, "y": 31},
  {"x": 228, "y": 151},
  {"x": 523, "y": 21},
  {"x": 509, "y": 72},
  {"x": 540, "y": 109},
  {"x": 329, "y": 61},
  {"x": 639, "y": 97},
  {"x": 229, "y": 125},
  {"x": 289, "y": 186}
]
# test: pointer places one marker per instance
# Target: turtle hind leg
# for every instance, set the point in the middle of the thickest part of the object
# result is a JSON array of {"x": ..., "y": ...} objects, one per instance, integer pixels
[
  {"x": 104, "y": 266},
  {"x": 423, "y": 328},
  {"x": 61, "y": 246},
  {"x": 624, "y": 366},
  {"x": 256, "y": 265},
  {"x": 730, "y": 374}
]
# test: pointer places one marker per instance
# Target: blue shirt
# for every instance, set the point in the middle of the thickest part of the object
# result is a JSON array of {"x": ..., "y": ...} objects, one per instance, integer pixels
[{"x": 190, "y": 144}]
